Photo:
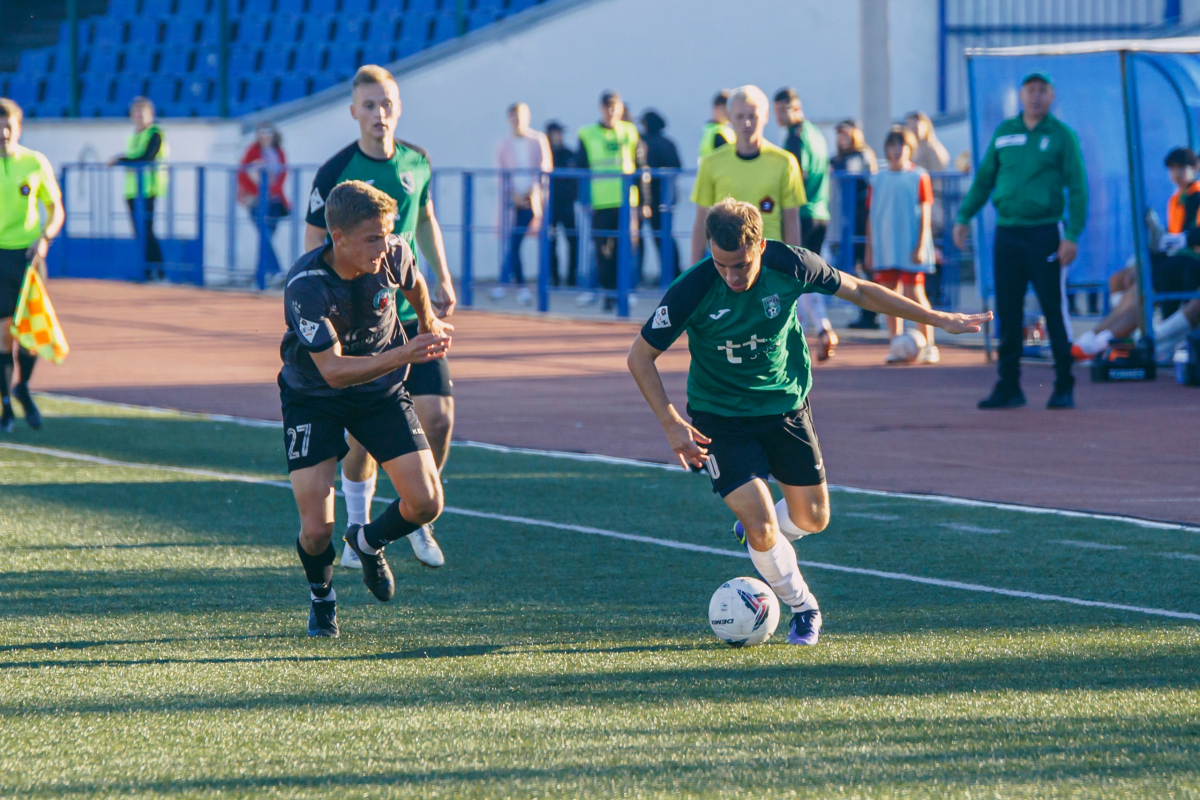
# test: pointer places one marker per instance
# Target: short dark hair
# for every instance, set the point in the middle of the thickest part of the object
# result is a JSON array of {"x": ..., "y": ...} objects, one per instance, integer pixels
[
  {"x": 787, "y": 95},
  {"x": 609, "y": 96},
  {"x": 1180, "y": 157},
  {"x": 902, "y": 136},
  {"x": 721, "y": 98},
  {"x": 10, "y": 109},
  {"x": 554, "y": 125},
  {"x": 354, "y": 202},
  {"x": 732, "y": 224}
]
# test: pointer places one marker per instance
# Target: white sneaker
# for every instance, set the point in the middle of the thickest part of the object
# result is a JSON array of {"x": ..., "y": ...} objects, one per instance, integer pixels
[
  {"x": 585, "y": 299},
  {"x": 425, "y": 547},
  {"x": 524, "y": 297},
  {"x": 350, "y": 558},
  {"x": 929, "y": 355},
  {"x": 498, "y": 293}
]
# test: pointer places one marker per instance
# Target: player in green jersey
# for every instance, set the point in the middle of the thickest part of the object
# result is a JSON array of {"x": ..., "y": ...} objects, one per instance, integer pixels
[
  {"x": 748, "y": 386},
  {"x": 26, "y": 179},
  {"x": 400, "y": 170}
]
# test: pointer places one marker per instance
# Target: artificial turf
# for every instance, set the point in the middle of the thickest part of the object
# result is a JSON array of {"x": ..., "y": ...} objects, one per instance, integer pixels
[{"x": 152, "y": 641}]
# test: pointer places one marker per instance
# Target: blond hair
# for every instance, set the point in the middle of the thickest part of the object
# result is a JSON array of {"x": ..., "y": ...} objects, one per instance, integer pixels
[
  {"x": 750, "y": 94},
  {"x": 371, "y": 73},
  {"x": 10, "y": 109},
  {"x": 354, "y": 202},
  {"x": 732, "y": 224}
]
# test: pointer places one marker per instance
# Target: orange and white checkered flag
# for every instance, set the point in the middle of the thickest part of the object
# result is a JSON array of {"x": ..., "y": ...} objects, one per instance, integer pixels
[{"x": 35, "y": 325}]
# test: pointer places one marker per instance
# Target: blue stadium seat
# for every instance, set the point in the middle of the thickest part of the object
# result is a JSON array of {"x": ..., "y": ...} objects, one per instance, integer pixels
[
  {"x": 258, "y": 93},
  {"x": 164, "y": 91},
  {"x": 322, "y": 80},
  {"x": 139, "y": 60},
  {"x": 316, "y": 29},
  {"x": 382, "y": 25},
  {"x": 377, "y": 52},
  {"x": 422, "y": 7},
  {"x": 210, "y": 30},
  {"x": 123, "y": 9},
  {"x": 516, "y": 6},
  {"x": 24, "y": 90},
  {"x": 359, "y": 7},
  {"x": 145, "y": 31},
  {"x": 175, "y": 60},
  {"x": 180, "y": 30},
  {"x": 207, "y": 63},
  {"x": 260, "y": 8},
  {"x": 292, "y": 87},
  {"x": 99, "y": 60},
  {"x": 127, "y": 87},
  {"x": 250, "y": 30},
  {"x": 324, "y": 7},
  {"x": 284, "y": 30},
  {"x": 243, "y": 60},
  {"x": 481, "y": 17},
  {"x": 445, "y": 28},
  {"x": 106, "y": 31},
  {"x": 196, "y": 97},
  {"x": 309, "y": 59},
  {"x": 34, "y": 61},
  {"x": 343, "y": 61},
  {"x": 55, "y": 100},
  {"x": 289, "y": 7},
  {"x": 350, "y": 29},
  {"x": 94, "y": 91},
  {"x": 275, "y": 61}
]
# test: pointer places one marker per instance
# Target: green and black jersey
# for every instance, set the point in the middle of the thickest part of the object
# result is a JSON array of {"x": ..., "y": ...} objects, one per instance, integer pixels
[
  {"x": 405, "y": 176},
  {"x": 749, "y": 357}
]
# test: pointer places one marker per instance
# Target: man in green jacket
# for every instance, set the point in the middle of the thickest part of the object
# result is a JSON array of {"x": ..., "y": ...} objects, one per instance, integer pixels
[{"x": 1031, "y": 160}]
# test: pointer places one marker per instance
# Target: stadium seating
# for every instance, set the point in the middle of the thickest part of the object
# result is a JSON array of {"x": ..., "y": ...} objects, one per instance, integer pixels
[{"x": 280, "y": 50}]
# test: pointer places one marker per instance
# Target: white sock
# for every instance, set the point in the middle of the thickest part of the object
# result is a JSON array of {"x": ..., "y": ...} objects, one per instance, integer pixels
[
  {"x": 1092, "y": 343},
  {"x": 779, "y": 568},
  {"x": 362, "y": 543},
  {"x": 329, "y": 598},
  {"x": 1171, "y": 331},
  {"x": 788, "y": 528},
  {"x": 358, "y": 499}
]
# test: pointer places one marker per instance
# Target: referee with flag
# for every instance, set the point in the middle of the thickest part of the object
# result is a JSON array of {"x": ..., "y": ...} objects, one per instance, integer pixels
[
  {"x": 26, "y": 179},
  {"x": 1031, "y": 162}
]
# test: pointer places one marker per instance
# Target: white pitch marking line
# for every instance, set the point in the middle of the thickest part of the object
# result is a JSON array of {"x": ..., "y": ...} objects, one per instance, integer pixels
[
  {"x": 876, "y": 517},
  {"x": 499, "y": 448},
  {"x": 695, "y": 548},
  {"x": 963, "y": 527},
  {"x": 1088, "y": 545},
  {"x": 1181, "y": 556}
]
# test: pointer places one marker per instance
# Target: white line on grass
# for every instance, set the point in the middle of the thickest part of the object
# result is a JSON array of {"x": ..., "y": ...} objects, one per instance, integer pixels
[
  {"x": 875, "y": 517},
  {"x": 963, "y": 527},
  {"x": 1182, "y": 556},
  {"x": 632, "y": 462},
  {"x": 670, "y": 543},
  {"x": 1088, "y": 545}
]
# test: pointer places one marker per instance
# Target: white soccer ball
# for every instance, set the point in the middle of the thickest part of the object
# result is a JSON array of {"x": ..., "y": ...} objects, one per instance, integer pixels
[
  {"x": 743, "y": 612},
  {"x": 907, "y": 346}
]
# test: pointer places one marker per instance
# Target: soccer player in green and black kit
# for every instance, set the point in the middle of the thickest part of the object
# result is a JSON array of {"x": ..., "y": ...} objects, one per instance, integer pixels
[
  {"x": 400, "y": 170},
  {"x": 748, "y": 386},
  {"x": 25, "y": 180}
]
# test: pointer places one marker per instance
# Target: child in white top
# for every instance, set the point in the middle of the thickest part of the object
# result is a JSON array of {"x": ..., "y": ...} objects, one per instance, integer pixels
[{"x": 900, "y": 234}]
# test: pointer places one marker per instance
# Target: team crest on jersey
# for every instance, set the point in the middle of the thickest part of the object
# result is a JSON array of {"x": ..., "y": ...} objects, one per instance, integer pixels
[
  {"x": 766, "y": 205},
  {"x": 1044, "y": 144},
  {"x": 308, "y": 329},
  {"x": 315, "y": 200},
  {"x": 772, "y": 306},
  {"x": 26, "y": 190},
  {"x": 662, "y": 318},
  {"x": 383, "y": 299},
  {"x": 408, "y": 182}
]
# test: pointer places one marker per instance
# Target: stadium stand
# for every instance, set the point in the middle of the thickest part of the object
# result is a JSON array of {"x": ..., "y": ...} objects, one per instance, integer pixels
[{"x": 279, "y": 50}]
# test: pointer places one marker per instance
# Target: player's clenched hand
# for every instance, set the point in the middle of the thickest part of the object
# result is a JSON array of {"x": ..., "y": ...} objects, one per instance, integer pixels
[
  {"x": 963, "y": 323},
  {"x": 424, "y": 347},
  {"x": 688, "y": 444},
  {"x": 444, "y": 300}
]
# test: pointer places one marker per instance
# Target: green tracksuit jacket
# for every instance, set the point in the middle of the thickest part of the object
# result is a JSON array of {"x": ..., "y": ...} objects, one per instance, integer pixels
[{"x": 1025, "y": 172}]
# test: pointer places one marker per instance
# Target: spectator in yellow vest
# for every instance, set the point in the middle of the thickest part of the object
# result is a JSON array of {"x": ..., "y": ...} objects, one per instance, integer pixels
[{"x": 146, "y": 145}]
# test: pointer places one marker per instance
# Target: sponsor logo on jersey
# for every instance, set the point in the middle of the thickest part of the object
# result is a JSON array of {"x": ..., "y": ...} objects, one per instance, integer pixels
[
  {"x": 662, "y": 318},
  {"x": 26, "y": 190},
  {"x": 1012, "y": 140},
  {"x": 772, "y": 306},
  {"x": 408, "y": 182},
  {"x": 766, "y": 205},
  {"x": 384, "y": 298},
  {"x": 308, "y": 329},
  {"x": 315, "y": 201},
  {"x": 1044, "y": 144},
  {"x": 719, "y": 314}
]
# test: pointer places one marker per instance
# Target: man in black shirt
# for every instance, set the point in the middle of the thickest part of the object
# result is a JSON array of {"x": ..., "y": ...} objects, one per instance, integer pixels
[
  {"x": 657, "y": 152},
  {"x": 345, "y": 357},
  {"x": 563, "y": 193}
]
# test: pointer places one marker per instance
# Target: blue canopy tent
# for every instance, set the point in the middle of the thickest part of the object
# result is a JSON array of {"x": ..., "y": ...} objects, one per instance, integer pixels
[{"x": 1130, "y": 102}]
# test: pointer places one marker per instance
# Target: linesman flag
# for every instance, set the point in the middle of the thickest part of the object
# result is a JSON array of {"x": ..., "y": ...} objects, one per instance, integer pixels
[{"x": 35, "y": 325}]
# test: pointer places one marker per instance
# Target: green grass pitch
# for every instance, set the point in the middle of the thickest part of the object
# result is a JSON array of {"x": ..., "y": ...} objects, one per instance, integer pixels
[{"x": 152, "y": 641}]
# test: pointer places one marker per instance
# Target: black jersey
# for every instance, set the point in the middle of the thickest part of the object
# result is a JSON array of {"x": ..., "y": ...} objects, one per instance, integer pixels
[{"x": 321, "y": 308}]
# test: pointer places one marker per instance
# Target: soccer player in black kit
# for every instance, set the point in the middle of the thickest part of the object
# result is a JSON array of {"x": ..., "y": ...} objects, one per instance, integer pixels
[{"x": 345, "y": 358}]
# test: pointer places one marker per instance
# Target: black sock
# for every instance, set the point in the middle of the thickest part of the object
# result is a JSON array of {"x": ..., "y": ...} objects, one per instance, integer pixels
[
  {"x": 318, "y": 569},
  {"x": 388, "y": 527},
  {"x": 6, "y": 373},
  {"x": 26, "y": 359}
]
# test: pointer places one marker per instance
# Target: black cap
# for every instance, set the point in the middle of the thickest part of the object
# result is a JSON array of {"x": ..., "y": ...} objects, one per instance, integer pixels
[
  {"x": 554, "y": 125},
  {"x": 653, "y": 121},
  {"x": 610, "y": 96},
  {"x": 1038, "y": 75}
]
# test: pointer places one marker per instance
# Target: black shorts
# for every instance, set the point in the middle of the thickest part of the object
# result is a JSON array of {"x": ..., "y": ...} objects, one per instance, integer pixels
[
  {"x": 432, "y": 377},
  {"x": 12, "y": 275},
  {"x": 314, "y": 428},
  {"x": 745, "y": 448}
]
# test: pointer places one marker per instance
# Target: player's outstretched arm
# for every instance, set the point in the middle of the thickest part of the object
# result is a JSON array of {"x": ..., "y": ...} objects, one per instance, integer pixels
[
  {"x": 427, "y": 320},
  {"x": 429, "y": 239},
  {"x": 687, "y": 442},
  {"x": 874, "y": 297},
  {"x": 341, "y": 371}
]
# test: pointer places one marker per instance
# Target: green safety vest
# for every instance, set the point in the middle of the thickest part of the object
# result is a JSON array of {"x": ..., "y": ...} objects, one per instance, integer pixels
[
  {"x": 154, "y": 180},
  {"x": 711, "y": 129},
  {"x": 610, "y": 150}
]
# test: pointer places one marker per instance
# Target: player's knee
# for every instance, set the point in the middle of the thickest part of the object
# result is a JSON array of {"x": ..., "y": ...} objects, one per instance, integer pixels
[
  {"x": 762, "y": 537},
  {"x": 439, "y": 427},
  {"x": 426, "y": 507},
  {"x": 316, "y": 535}
]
